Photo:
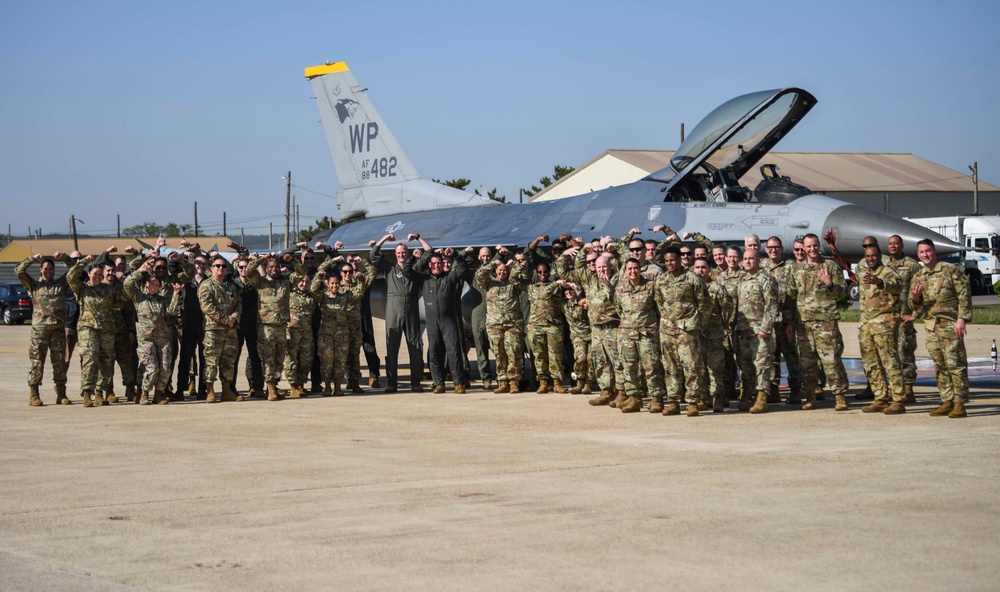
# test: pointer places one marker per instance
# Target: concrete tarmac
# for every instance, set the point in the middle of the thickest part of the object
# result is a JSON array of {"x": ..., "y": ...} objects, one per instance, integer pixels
[{"x": 494, "y": 492}]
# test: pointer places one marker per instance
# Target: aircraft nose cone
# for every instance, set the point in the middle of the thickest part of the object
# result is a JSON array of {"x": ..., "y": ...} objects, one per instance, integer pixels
[{"x": 853, "y": 223}]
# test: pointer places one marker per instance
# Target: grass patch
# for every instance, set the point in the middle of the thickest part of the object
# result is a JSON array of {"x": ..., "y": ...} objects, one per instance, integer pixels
[{"x": 988, "y": 314}]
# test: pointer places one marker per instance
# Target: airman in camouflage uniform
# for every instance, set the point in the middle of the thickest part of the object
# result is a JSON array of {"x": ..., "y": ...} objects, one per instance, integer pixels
[
  {"x": 940, "y": 293},
  {"x": 756, "y": 317},
  {"x": 299, "y": 345},
  {"x": 504, "y": 319},
  {"x": 639, "y": 338},
  {"x": 96, "y": 328},
  {"x": 273, "y": 291},
  {"x": 730, "y": 279},
  {"x": 680, "y": 296},
  {"x": 879, "y": 292},
  {"x": 356, "y": 283},
  {"x": 631, "y": 247},
  {"x": 333, "y": 331},
  {"x": 784, "y": 332},
  {"x": 905, "y": 267},
  {"x": 580, "y": 335},
  {"x": 48, "y": 322},
  {"x": 817, "y": 285},
  {"x": 124, "y": 314},
  {"x": 155, "y": 316},
  {"x": 222, "y": 306},
  {"x": 545, "y": 329},
  {"x": 716, "y": 319}
]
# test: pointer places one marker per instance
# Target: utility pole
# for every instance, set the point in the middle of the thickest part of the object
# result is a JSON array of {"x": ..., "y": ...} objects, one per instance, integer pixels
[
  {"x": 975, "y": 188},
  {"x": 270, "y": 235},
  {"x": 224, "y": 233},
  {"x": 72, "y": 226},
  {"x": 288, "y": 205},
  {"x": 243, "y": 237},
  {"x": 119, "y": 225},
  {"x": 682, "y": 133},
  {"x": 196, "y": 219}
]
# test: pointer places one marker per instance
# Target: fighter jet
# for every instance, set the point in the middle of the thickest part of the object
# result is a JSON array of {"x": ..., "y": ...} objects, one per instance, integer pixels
[{"x": 383, "y": 193}]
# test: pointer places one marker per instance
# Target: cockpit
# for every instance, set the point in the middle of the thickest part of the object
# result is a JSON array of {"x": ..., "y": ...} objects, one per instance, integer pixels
[{"x": 730, "y": 141}]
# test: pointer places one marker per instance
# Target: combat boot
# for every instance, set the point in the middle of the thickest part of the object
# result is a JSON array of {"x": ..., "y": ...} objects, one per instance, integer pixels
[
  {"x": 958, "y": 410},
  {"x": 841, "y": 403},
  {"x": 673, "y": 408},
  {"x": 577, "y": 388},
  {"x": 130, "y": 393},
  {"x": 896, "y": 408},
  {"x": 228, "y": 394},
  {"x": 944, "y": 409},
  {"x": 144, "y": 398},
  {"x": 99, "y": 398},
  {"x": 272, "y": 392},
  {"x": 192, "y": 387},
  {"x": 459, "y": 389},
  {"x": 603, "y": 399},
  {"x": 795, "y": 396},
  {"x": 111, "y": 397},
  {"x": 774, "y": 395},
  {"x": 160, "y": 397},
  {"x": 718, "y": 406},
  {"x": 631, "y": 405},
  {"x": 911, "y": 399},
  {"x": 810, "y": 401},
  {"x": 502, "y": 387},
  {"x": 760, "y": 406},
  {"x": 210, "y": 393},
  {"x": 327, "y": 390},
  {"x": 438, "y": 389},
  {"x": 619, "y": 400},
  {"x": 702, "y": 404},
  {"x": 373, "y": 382},
  {"x": 543, "y": 386},
  {"x": 557, "y": 387},
  {"x": 878, "y": 406},
  {"x": 355, "y": 387},
  {"x": 514, "y": 386},
  {"x": 745, "y": 402},
  {"x": 656, "y": 404},
  {"x": 488, "y": 385},
  {"x": 33, "y": 398},
  {"x": 296, "y": 391},
  {"x": 337, "y": 391},
  {"x": 61, "y": 397},
  {"x": 692, "y": 410},
  {"x": 89, "y": 402}
]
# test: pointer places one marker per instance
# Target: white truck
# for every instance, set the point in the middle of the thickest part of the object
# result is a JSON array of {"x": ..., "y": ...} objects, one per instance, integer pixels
[{"x": 980, "y": 235}]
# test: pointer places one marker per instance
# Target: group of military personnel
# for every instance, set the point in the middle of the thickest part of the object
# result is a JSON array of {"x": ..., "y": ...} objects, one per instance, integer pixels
[{"x": 655, "y": 324}]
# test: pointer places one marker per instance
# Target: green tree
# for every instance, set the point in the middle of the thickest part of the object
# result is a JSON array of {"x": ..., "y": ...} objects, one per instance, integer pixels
[
  {"x": 559, "y": 172},
  {"x": 324, "y": 223},
  {"x": 456, "y": 183}
]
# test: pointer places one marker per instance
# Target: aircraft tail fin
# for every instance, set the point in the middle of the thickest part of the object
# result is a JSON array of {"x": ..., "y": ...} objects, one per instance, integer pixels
[{"x": 376, "y": 177}]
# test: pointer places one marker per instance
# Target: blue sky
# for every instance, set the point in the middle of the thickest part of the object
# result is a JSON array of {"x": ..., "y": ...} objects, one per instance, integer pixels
[{"x": 140, "y": 109}]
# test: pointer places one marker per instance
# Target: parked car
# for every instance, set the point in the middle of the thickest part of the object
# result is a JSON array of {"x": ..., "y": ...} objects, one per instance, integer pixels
[{"x": 15, "y": 304}]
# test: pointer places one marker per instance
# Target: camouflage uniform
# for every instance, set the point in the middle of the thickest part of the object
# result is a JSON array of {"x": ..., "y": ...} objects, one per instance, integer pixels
[
  {"x": 604, "y": 320},
  {"x": 945, "y": 299},
  {"x": 156, "y": 314},
  {"x": 680, "y": 299},
  {"x": 272, "y": 315},
  {"x": 355, "y": 336},
  {"x": 504, "y": 319},
  {"x": 730, "y": 279},
  {"x": 580, "y": 335},
  {"x": 96, "y": 328},
  {"x": 906, "y": 343},
  {"x": 716, "y": 320},
  {"x": 219, "y": 301},
  {"x": 784, "y": 346},
  {"x": 545, "y": 329},
  {"x": 299, "y": 344},
  {"x": 878, "y": 330},
  {"x": 333, "y": 331},
  {"x": 820, "y": 341},
  {"x": 124, "y": 314},
  {"x": 639, "y": 338},
  {"x": 649, "y": 269},
  {"x": 756, "y": 313},
  {"x": 48, "y": 322}
]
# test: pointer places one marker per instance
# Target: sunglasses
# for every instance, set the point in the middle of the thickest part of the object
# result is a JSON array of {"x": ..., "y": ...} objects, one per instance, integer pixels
[
  {"x": 869, "y": 245},
  {"x": 773, "y": 248},
  {"x": 686, "y": 253},
  {"x": 636, "y": 249},
  {"x": 217, "y": 265}
]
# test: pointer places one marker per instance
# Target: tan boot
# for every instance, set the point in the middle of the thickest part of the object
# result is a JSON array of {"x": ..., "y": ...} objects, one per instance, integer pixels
[
  {"x": 810, "y": 402},
  {"x": 488, "y": 385},
  {"x": 656, "y": 405},
  {"x": 372, "y": 382},
  {"x": 502, "y": 387},
  {"x": 841, "y": 403},
  {"x": 459, "y": 389},
  {"x": 210, "y": 393},
  {"x": 631, "y": 405},
  {"x": 603, "y": 399},
  {"x": 88, "y": 401},
  {"x": 672, "y": 408},
  {"x": 99, "y": 398},
  {"x": 514, "y": 386},
  {"x": 144, "y": 398},
  {"x": 111, "y": 397},
  {"x": 911, "y": 399},
  {"x": 296, "y": 391},
  {"x": 957, "y": 410},
  {"x": 61, "y": 397},
  {"x": 896, "y": 408},
  {"x": 944, "y": 409},
  {"x": 272, "y": 391},
  {"x": 543, "y": 386},
  {"x": 702, "y": 404},
  {"x": 228, "y": 394},
  {"x": 619, "y": 400},
  {"x": 877, "y": 406},
  {"x": 33, "y": 397},
  {"x": 192, "y": 387},
  {"x": 692, "y": 410},
  {"x": 130, "y": 393},
  {"x": 582, "y": 388},
  {"x": 557, "y": 387},
  {"x": 438, "y": 390},
  {"x": 160, "y": 397},
  {"x": 760, "y": 406}
]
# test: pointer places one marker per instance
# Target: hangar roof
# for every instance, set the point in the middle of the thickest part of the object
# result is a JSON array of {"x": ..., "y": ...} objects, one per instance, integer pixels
[
  {"x": 19, "y": 250},
  {"x": 820, "y": 171}
]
